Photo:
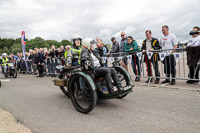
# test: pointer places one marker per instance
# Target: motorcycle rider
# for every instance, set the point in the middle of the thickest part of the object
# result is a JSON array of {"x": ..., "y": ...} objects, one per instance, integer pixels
[
  {"x": 74, "y": 53},
  {"x": 73, "y": 56},
  {"x": 4, "y": 62},
  {"x": 96, "y": 64}
]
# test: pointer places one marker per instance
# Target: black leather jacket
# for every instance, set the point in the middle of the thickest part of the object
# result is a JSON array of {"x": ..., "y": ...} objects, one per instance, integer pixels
[{"x": 86, "y": 56}]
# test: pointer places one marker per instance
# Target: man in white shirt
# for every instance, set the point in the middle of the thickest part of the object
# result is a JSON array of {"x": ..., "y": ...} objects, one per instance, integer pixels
[
  {"x": 193, "y": 60},
  {"x": 169, "y": 42}
]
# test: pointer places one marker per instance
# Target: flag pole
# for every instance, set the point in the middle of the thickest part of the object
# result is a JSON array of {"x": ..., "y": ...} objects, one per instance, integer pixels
[{"x": 23, "y": 41}]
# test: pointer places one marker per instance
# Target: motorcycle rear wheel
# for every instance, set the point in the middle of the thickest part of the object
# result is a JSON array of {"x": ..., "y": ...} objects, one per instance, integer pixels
[
  {"x": 63, "y": 88},
  {"x": 123, "y": 78}
]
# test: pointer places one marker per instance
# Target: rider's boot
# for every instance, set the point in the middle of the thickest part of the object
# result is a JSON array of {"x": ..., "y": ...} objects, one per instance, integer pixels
[{"x": 112, "y": 91}]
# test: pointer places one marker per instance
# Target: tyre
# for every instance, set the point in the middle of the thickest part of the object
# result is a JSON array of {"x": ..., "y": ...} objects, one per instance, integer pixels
[
  {"x": 64, "y": 90},
  {"x": 84, "y": 100},
  {"x": 14, "y": 74},
  {"x": 123, "y": 77}
]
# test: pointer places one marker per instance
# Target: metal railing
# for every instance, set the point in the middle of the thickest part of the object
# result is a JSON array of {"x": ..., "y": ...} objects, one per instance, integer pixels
[
  {"x": 144, "y": 65},
  {"x": 177, "y": 62}
]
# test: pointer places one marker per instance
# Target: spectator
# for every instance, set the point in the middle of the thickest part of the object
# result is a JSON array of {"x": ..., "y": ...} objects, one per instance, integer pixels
[
  {"x": 102, "y": 49},
  {"x": 47, "y": 62},
  {"x": 30, "y": 60},
  {"x": 15, "y": 58},
  {"x": 52, "y": 55},
  {"x": 132, "y": 46},
  {"x": 34, "y": 66},
  {"x": 193, "y": 49},
  {"x": 67, "y": 48},
  {"x": 148, "y": 45},
  {"x": 18, "y": 62},
  {"x": 115, "y": 46},
  {"x": 124, "y": 61},
  {"x": 168, "y": 42},
  {"x": 22, "y": 63},
  {"x": 38, "y": 62},
  {"x": 123, "y": 41},
  {"x": 28, "y": 63},
  {"x": 62, "y": 52}
]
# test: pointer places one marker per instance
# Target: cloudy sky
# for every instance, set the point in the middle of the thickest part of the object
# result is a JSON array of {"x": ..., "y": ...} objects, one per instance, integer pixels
[{"x": 62, "y": 19}]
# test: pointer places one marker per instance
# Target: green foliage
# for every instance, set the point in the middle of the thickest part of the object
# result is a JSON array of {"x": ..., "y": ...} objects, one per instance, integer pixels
[
  {"x": 13, "y": 46},
  {"x": 65, "y": 42},
  {"x": 4, "y": 50}
]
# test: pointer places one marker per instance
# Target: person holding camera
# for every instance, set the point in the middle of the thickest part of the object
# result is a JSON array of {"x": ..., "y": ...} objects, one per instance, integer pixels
[{"x": 193, "y": 60}]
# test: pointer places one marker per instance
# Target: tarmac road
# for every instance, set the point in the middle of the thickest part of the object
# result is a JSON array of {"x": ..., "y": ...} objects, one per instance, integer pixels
[{"x": 42, "y": 107}]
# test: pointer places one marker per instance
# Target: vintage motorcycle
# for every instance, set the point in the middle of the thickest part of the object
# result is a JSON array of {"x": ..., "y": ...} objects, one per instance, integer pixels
[
  {"x": 84, "y": 100},
  {"x": 11, "y": 70}
]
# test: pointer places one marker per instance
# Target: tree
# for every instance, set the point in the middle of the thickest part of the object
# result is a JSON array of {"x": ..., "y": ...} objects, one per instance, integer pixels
[
  {"x": 10, "y": 45},
  {"x": 65, "y": 42}
]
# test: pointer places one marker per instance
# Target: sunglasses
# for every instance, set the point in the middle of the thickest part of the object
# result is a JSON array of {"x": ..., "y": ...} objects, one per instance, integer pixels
[{"x": 122, "y": 35}]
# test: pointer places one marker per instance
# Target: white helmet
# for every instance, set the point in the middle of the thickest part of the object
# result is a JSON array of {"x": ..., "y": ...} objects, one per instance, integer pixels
[
  {"x": 87, "y": 42},
  {"x": 75, "y": 38},
  {"x": 4, "y": 54}
]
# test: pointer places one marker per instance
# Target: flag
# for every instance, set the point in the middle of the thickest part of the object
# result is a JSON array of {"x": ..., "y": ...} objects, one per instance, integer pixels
[
  {"x": 139, "y": 55},
  {"x": 149, "y": 54},
  {"x": 23, "y": 41},
  {"x": 162, "y": 56},
  {"x": 177, "y": 56},
  {"x": 129, "y": 57},
  {"x": 112, "y": 59}
]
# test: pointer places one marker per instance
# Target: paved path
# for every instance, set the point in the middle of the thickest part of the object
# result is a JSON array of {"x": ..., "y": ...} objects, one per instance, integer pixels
[{"x": 42, "y": 107}]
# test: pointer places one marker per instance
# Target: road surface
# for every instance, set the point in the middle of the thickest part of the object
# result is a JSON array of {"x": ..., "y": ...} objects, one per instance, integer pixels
[{"x": 41, "y": 106}]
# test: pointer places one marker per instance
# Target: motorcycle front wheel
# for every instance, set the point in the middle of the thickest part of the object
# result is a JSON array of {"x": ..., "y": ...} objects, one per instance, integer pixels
[
  {"x": 14, "y": 74},
  {"x": 83, "y": 98}
]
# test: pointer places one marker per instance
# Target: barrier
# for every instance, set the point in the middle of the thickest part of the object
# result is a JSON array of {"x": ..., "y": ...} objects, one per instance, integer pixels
[{"x": 177, "y": 61}]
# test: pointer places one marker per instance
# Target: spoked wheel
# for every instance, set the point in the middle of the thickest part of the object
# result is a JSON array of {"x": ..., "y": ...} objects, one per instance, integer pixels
[
  {"x": 123, "y": 77},
  {"x": 81, "y": 93},
  {"x": 63, "y": 88},
  {"x": 14, "y": 74}
]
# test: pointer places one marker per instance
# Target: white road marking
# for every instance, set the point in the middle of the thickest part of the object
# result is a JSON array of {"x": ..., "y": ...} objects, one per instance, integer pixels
[{"x": 5, "y": 80}]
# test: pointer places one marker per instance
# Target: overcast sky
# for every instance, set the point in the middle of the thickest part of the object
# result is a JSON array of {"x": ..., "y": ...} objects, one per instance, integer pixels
[{"x": 62, "y": 19}]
